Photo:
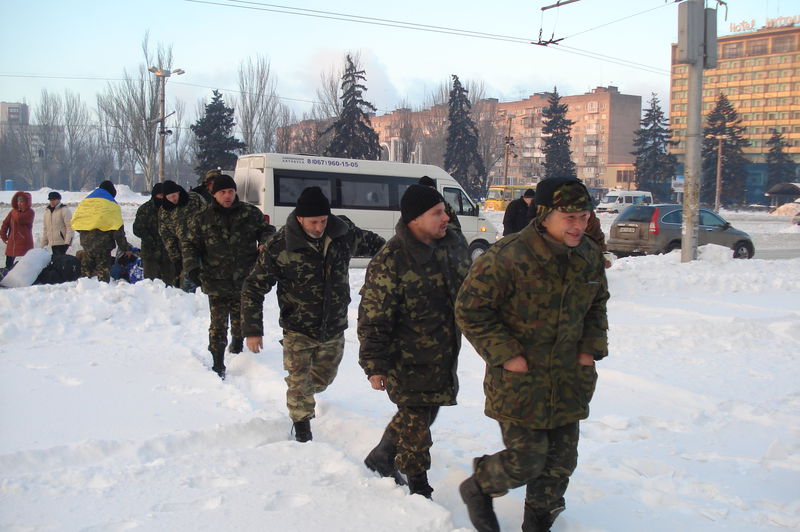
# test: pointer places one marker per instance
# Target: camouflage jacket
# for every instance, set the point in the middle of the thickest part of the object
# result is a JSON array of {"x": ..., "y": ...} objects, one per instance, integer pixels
[
  {"x": 223, "y": 244},
  {"x": 515, "y": 301},
  {"x": 313, "y": 287},
  {"x": 99, "y": 242},
  {"x": 173, "y": 221},
  {"x": 145, "y": 226},
  {"x": 406, "y": 324}
]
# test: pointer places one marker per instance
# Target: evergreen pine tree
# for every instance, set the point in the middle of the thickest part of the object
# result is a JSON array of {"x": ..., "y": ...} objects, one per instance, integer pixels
[
  {"x": 462, "y": 157},
  {"x": 557, "y": 136},
  {"x": 353, "y": 136},
  {"x": 780, "y": 166},
  {"x": 655, "y": 166},
  {"x": 215, "y": 143},
  {"x": 723, "y": 121}
]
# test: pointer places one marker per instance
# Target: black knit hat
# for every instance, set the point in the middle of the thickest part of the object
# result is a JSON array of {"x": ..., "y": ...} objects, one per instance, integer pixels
[
  {"x": 427, "y": 181},
  {"x": 171, "y": 187},
  {"x": 312, "y": 202},
  {"x": 221, "y": 182},
  {"x": 529, "y": 193},
  {"x": 416, "y": 200},
  {"x": 53, "y": 195},
  {"x": 109, "y": 187},
  {"x": 158, "y": 188}
]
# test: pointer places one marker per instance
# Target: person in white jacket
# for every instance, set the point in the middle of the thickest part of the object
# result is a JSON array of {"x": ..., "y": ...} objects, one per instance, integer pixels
[{"x": 57, "y": 228}]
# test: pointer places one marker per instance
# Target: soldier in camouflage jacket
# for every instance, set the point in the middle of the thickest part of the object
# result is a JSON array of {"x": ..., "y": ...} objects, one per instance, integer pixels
[
  {"x": 219, "y": 250},
  {"x": 534, "y": 307},
  {"x": 309, "y": 260},
  {"x": 406, "y": 326},
  {"x": 173, "y": 222},
  {"x": 155, "y": 262}
]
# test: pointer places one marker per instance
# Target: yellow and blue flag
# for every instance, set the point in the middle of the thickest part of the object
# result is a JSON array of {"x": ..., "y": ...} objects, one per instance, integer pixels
[{"x": 98, "y": 210}]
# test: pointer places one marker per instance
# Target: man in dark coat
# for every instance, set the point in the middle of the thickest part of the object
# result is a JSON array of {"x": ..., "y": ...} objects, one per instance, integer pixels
[
  {"x": 155, "y": 261},
  {"x": 518, "y": 213},
  {"x": 178, "y": 209},
  {"x": 205, "y": 184},
  {"x": 219, "y": 250},
  {"x": 309, "y": 260},
  {"x": 409, "y": 339},
  {"x": 534, "y": 308}
]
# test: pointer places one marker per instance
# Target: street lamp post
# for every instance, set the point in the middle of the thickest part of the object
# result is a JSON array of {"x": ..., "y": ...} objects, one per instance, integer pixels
[
  {"x": 162, "y": 74},
  {"x": 718, "y": 189}
]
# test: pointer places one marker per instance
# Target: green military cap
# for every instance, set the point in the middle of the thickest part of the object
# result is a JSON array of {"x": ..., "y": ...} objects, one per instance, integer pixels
[{"x": 564, "y": 194}]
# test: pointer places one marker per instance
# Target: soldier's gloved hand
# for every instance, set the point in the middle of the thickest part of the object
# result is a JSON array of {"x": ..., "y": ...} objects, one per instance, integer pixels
[{"x": 194, "y": 276}]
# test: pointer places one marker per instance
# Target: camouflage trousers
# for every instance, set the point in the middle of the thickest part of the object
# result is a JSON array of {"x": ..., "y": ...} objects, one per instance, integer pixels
[
  {"x": 312, "y": 366},
  {"x": 96, "y": 264},
  {"x": 158, "y": 268},
  {"x": 410, "y": 428},
  {"x": 541, "y": 459},
  {"x": 222, "y": 308}
]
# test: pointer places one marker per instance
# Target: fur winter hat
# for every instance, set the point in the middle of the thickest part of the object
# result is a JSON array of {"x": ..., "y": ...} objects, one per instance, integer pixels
[
  {"x": 109, "y": 187},
  {"x": 416, "y": 200},
  {"x": 312, "y": 202},
  {"x": 221, "y": 182}
]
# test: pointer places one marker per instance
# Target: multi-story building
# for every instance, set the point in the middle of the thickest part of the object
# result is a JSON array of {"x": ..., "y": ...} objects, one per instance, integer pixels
[
  {"x": 602, "y": 135},
  {"x": 759, "y": 72},
  {"x": 12, "y": 114}
]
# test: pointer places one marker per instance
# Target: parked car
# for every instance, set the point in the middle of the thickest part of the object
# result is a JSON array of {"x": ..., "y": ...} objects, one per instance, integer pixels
[{"x": 650, "y": 229}]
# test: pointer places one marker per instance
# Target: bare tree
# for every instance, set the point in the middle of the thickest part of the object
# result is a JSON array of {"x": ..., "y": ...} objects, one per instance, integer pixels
[
  {"x": 283, "y": 133},
  {"x": 131, "y": 107},
  {"x": 258, "y": 107},
  {"x": 77, "y": 131},
  {"x": 18, "y": 157},
  {"x": 50, "y": 149},
  {"x": 180, "y": 158}
]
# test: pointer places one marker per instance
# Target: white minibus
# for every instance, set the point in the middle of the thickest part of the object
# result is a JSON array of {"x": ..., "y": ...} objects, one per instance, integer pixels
[
  {"x": 367, "y": 192},
  {"x": 617, "y": 200}
]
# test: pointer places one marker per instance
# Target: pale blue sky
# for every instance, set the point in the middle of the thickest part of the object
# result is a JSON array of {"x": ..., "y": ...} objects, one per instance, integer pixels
[{"x": 101, "y": 38}]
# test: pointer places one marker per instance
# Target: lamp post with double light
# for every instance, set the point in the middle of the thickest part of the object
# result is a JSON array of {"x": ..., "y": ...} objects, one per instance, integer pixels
[{"x": 162, "y": 74}]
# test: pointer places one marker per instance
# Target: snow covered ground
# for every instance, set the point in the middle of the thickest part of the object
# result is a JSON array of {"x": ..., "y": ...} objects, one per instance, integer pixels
[{"x": 111, "y": 419}]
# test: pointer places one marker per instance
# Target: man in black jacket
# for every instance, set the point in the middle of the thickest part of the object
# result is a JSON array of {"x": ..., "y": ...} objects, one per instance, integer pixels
[{"x": 517, "y": 213}]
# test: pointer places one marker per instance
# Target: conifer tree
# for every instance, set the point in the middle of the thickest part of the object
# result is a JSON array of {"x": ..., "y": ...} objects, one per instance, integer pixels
[
  {"x": 462, "y": 157},
  {"x": 557, "y": 136},
  {"x": 215, "y": 143},
  {"x": 723, "y": 123},
  {"x": 655, "y": 166},
  {"x": 353, "y": 136},
  {"x": 780, "y": 166}
]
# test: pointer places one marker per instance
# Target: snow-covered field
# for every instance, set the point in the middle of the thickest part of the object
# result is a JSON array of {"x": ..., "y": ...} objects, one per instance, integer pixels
[{"x": 111, "y": 419}]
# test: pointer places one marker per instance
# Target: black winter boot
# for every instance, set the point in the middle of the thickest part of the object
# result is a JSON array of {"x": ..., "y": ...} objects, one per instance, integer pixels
[
  {"x": 219, "y": 364},
  {"x": 381, "y": 459},
  {"x": 236, "y": 345},
  {"x": 302, "y": 431},
  {"x": 539, "y": 522},
  {"x": 479, "y": 506},
  {"x": 418, "y": 484}
]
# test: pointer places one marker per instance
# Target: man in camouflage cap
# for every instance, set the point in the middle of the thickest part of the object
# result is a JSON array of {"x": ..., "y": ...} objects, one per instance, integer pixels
[
  {"x": 409, "y": 339},
  {"x": 309, "y": 260},
  {"x": 534, "y": 308},
  {"x": 219, "y": 250},
  {"x": 206, "y": 183}
]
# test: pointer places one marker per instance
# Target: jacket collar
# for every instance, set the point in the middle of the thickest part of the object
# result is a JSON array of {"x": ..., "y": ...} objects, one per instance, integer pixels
[
  {"x": 296, "y": 237},
  {"x": 418, "y": 250}
]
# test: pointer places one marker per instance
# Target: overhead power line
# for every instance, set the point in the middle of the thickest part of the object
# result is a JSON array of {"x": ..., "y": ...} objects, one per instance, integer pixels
[{"x": 346, "y": 17}]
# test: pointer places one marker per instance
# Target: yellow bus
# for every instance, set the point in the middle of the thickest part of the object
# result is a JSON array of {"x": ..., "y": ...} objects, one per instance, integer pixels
[{"x": 499, "y": 196}]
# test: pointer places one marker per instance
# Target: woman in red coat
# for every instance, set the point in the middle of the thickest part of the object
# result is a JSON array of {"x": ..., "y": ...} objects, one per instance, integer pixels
[{"x": 17, "y": 228}]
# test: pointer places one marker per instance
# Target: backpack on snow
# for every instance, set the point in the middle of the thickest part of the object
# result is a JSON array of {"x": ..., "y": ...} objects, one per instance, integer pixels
[{"x": 62, "y": 269}]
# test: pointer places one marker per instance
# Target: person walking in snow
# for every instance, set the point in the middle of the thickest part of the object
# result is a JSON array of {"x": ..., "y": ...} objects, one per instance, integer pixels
[
  {"x": 17, "y": 228},
  {"x": 219, "y": 250},
  {"x": 57, "y": 232},
  {"x": 309, "y": 260},
  {"x": 98, "y": 221},
  {"x": 408, "y": 335},
  {"x": 534, "y": 308},
  {"x": 173, "y": 222}
]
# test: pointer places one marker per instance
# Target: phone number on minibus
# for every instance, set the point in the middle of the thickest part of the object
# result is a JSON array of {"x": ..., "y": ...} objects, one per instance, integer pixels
[{"x": 325, "y": 162}]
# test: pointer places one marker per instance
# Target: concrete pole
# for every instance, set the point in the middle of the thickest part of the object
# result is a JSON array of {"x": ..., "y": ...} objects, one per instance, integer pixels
[
  {"x": 161, "y": 131},
  {"x": 718, "y": 189}
]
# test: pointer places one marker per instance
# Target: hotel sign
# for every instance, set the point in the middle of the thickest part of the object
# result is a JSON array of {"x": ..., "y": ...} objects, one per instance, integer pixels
[{"x": 777, "y": 22}]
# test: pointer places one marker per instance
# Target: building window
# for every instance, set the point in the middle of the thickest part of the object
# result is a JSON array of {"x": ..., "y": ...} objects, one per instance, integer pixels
[
  {"x": 759, "y": 47},
  {"x": 732, "y": 50},
  {"x": 783, "y": 44},
  {"x": 591, "y": 107}
]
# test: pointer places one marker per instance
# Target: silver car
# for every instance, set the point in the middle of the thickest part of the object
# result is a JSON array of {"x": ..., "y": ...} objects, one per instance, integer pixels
[{"x": 650, "y": 229}]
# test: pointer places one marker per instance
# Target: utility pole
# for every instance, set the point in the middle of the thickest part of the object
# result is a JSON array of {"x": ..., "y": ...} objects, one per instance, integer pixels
[
  {"x": 162, "y": 74},
  {"x": 697, "y": 49},
  {"x": 509, "y": 143},
  {"x": 718, "y": 189}
]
